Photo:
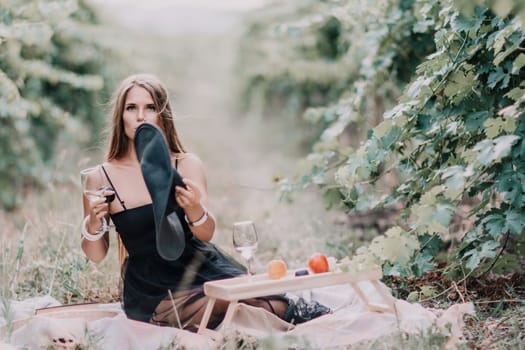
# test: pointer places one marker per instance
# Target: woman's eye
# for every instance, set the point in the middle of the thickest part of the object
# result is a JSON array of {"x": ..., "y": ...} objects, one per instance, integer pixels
[
  {"x": 130, "y": 108},
  {"x": 152, "y": 107}
]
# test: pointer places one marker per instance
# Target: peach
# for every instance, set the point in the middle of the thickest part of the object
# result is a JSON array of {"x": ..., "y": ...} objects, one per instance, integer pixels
[
  {"x": 276, "y": 269},
  {"x": 318, "y": 263}
]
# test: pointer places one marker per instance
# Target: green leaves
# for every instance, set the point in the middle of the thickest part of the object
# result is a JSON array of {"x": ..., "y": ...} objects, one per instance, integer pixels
[
  {"x": 43, "y": 95},
  {"x": 8, "y": 89},
  {"x": 432, "y": 214},
  {"x": 475, "y": 120},
  {"x": 450, "y": 77},
  {"x": 498, "y": 76},
  {"x": 496, "y": 126},
  {"x": 518, "y": 63},
  {"x": 456, "y": 178},
  {"x": 514, "y": 221},
  {"x": 511, "y": 185},
  {"x": 362, "y": 165},
  {"x": 395, "y": 246},
  {"x": 475, "y": 256},
  {"x": 489, "y": 151},
  {"x": 461, "y": 84},
  {"x": 498, "y": 222}
]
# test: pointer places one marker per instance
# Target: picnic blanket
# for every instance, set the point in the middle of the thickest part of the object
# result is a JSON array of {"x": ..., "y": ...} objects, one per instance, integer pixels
[{"x": 350, "y": 323}]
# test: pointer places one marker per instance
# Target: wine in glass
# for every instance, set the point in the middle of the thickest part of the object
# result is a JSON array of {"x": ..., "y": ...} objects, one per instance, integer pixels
[
  {"x": 245, "y": 241},
  {"x": 93, "y": 193}
]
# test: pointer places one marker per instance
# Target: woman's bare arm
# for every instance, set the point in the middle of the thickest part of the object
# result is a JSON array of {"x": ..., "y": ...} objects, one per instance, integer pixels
[{"x": 194, "y": 199}]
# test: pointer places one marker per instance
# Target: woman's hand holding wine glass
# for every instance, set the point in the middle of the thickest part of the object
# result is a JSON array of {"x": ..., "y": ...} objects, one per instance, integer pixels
[
  {"x": 245, "y": 241},
  {"x": 97, "y": 200}
]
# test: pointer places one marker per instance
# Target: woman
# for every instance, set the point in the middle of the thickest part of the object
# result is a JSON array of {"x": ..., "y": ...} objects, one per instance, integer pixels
[{"x": 156, "y": 290}]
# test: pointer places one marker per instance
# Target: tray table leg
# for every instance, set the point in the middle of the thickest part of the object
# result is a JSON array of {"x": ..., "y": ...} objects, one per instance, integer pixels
[
  {"x": 388, "y": 307},
  {"x": 389, "y": 300},
  {"x": 229, "y": 313},
  {"x": 360, "y": 293},
  {"x": 206, "y": 316}
]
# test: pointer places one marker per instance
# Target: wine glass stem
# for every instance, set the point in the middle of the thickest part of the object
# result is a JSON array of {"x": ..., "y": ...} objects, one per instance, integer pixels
[
  {"x": 104, "y": 224},
  {"x": 250, "y": 266}
]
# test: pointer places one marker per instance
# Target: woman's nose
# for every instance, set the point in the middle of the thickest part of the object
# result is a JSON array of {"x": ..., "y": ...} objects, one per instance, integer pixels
[{"x": 140, "y": 115}]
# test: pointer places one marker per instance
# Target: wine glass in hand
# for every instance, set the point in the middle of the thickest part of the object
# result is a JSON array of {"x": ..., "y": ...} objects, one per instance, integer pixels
[
  {"x": 245, "y": 241},
  {"x": 93, "y": 193}
]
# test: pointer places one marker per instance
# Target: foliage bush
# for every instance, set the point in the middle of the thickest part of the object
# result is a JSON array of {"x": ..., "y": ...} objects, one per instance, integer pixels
[
  {"x": 428, "y": 115},
  {"x": 51, "y": 74}
]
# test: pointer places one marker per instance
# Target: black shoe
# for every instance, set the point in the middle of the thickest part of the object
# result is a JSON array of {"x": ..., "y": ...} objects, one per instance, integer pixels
[
  {"x": 160, "y": 178},
  {"x": 302, "y": 311}
]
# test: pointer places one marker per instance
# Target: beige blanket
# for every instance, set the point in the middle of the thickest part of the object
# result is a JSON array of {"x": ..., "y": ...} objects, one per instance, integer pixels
[{"x": 350, "y": 323}]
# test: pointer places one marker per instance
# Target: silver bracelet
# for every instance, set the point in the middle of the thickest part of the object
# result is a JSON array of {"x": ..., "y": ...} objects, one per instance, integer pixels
[
  {"x": 199, "y": 222},
  {"x": 93, "y": 236}
]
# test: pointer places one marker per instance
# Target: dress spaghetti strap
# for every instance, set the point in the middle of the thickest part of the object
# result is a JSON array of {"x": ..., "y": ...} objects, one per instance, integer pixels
[
  {"x": 114, "y": 189},
  {"x": 122, "y": 252}
]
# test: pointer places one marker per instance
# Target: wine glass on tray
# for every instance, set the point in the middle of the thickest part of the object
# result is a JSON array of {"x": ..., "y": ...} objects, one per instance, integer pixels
[{"x": 245, "y": 241}]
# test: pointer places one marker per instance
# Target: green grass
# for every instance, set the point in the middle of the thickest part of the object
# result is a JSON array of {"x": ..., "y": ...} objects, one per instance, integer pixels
[{"x": 41, "y": 252}]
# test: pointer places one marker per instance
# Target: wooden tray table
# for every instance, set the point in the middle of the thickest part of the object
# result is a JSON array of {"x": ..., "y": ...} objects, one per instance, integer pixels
[{"x": 245, "y": 287}]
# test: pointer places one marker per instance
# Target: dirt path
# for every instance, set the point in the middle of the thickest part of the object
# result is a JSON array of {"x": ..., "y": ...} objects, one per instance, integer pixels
[{"x": 194, "y": 51}]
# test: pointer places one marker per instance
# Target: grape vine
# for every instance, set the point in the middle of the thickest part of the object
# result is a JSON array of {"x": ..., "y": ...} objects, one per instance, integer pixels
[
  {"x": 51, "y": 70},
  {"x": 447, "y": 80}
]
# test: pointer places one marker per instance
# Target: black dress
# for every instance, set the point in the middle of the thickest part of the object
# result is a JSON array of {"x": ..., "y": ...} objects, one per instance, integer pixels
[{"x": 148, "y": 277}]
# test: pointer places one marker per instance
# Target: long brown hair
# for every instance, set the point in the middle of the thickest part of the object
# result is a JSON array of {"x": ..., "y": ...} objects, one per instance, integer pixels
[{"x": 118, "y": 141}]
